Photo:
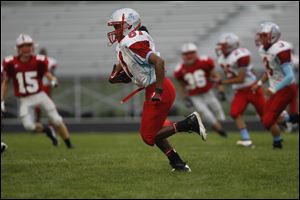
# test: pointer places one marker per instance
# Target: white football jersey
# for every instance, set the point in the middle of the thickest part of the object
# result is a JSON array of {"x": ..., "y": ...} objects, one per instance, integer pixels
[
  {"x": 136, "y": 67},
  {"x": 230, "y": 66},
  {"x": 272, "y": 63}
]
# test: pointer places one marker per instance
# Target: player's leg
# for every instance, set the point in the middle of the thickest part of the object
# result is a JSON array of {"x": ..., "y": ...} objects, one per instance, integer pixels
[
  {"x": 276, "y": 104},
  {"x": 27, "y": 106},
  {"x": 238, "y": 106},
  {"x": 217, "y": 112},
  {"x": 38, "y": 114},
  {"x": 202, "y": 106},
  {"x": 153, "y": 130},
  {"x": 56, "y": 120}
]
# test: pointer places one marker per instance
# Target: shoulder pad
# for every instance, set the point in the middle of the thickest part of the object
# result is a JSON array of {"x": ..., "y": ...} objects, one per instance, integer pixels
[{"x": 8, "y": 59}]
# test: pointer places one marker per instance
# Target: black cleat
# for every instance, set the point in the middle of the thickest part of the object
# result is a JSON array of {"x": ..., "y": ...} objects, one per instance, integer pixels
[
  {"x": 195, "y": 124},
  {"x": 277, "y": 145},
  {"x": 51, "y": 134},
  {"x": 180, "y": 167}
]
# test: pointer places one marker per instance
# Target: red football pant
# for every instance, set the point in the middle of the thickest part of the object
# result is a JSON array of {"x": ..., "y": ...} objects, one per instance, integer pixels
[
  {"x": 277, "y": 103},
  {"x": 245, "y": 96},
  {"x": 294, "y": 103},
  {"x": 155, "y": 114}
]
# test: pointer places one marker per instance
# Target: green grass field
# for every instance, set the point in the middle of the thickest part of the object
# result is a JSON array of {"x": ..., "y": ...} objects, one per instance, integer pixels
[{"x": 121, "y": 166}]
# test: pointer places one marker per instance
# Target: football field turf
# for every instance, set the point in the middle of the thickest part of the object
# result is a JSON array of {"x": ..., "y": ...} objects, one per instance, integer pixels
[{"x": 121, "y": 166}]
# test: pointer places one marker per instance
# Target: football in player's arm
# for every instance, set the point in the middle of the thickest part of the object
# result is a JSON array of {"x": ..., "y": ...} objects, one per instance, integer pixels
[
  {"x": 194, "y": 75},
  {"x": 27, "y": 70},
  {"x": 276, "y": 55},
  {"x": 141, "y": 64}
]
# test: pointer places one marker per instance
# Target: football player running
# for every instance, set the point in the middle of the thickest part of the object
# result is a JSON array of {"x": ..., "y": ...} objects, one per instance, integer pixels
[
  {"x": 140, "y": 63},
  {"x": 27, "y": 71},
  {"x": 236, "y": 63},
  {"x": 194, "y": 77},
  {"x": 276, "y": 56}
]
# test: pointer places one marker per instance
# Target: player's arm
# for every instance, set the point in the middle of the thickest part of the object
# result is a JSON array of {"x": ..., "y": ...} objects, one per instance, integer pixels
[
  {"x": 118, "y": 75},
  {"x": 184, "y": 94},
  {"x": 240, "y": 78},
  {"x": 159, "y": 65},
  {"x": 287, "y": 69},
  {"x": 214, "y": 75},
  {"x": 52, "y": 79}
]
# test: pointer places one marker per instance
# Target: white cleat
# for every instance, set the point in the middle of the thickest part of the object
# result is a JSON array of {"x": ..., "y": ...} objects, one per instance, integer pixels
[
  {"x": 202, "y": 130},
  {"x": 184, "y": 168},
  {"x": 245, "y": 143}
]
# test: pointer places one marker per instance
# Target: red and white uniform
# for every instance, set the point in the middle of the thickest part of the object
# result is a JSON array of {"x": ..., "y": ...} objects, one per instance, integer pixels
[
  {"x": 133, "y": 53},
  {"x": 196, "y": 76},
  {"x": 273, "y": 58},
  {"x": 197, "y": 82},
  {"x": 28, "y": 86},
  {"x": 278, "y": 54},
  {"x": 231, "y": 65},
  {"x": 237, "y": 59},
  {"x": 27, "y": 77}
]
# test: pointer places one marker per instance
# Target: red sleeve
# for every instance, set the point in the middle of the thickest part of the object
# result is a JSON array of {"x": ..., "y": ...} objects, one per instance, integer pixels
[
  {"x": 211, "y": 64},
  {"x": 243, "y": 61},
  {"x": 141, "y": 48},
  {"x": 284, "y": 56},
  {"x": 178, "y": 73}
]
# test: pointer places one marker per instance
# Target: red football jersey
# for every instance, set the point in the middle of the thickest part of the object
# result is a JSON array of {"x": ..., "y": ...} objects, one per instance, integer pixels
[
  {"x": 27, "y": 77},
  {"x": 196, "y": 76}
]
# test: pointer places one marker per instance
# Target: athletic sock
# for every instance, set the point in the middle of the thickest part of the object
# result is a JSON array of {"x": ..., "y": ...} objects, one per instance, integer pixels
[
  {"x": 173, "y": 156},
  {"x": 181, "y": 126},
  {"x": 68, "y": 143},
  {"x": 244, "y": 134},
  {"x": 277, "y": 138}
]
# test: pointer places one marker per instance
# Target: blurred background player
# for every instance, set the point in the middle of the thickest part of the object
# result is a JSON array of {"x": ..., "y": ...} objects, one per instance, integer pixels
[
  {"x": 47, "y": 88},
  {"x": 277, "y": 57},
  {"x": 236, "y": 63},
  {"x": 140, "y": 63},
  {"x": 195, "y": 86},
  {"x": 27, "y": 71}
]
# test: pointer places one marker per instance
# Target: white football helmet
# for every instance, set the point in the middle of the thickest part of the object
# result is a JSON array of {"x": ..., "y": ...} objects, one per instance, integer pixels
[
  {"x": 227, "y": 43},
  {"x": 268, "y": 34},
  {"x": 24, "y": 39},
  {"x": 189, "y": 47},
  {"x": 124, "y": 21}
]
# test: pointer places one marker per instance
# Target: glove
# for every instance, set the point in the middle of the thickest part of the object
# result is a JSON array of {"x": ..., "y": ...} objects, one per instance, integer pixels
[
  {"x": 156, "y": 96},
  {"x": 2, "y": 106},
  {"x": 119, "y": 77},
  {"x": 188, "y": 102},
  {"x": 222, "y": 96}
]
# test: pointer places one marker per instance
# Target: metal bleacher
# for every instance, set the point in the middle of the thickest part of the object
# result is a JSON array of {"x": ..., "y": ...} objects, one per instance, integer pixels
[{"x": 75, "y": 34}]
